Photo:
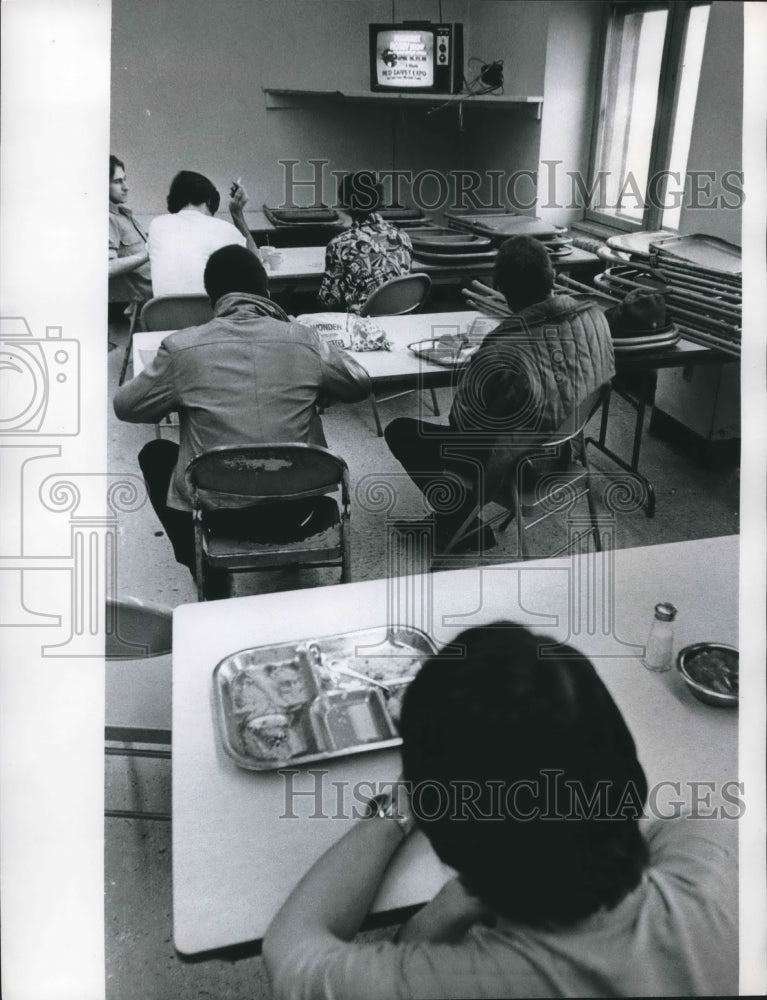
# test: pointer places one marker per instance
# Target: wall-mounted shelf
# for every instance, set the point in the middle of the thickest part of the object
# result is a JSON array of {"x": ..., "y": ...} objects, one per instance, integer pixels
[{"x": 283, "y": 98}]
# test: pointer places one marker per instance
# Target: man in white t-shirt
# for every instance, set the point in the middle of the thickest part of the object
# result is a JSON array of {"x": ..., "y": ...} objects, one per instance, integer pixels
[{"x": 181, "y": 242}]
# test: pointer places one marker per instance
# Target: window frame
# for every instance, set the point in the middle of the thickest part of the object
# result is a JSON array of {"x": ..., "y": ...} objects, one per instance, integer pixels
[{"x": 665, "y": 112}]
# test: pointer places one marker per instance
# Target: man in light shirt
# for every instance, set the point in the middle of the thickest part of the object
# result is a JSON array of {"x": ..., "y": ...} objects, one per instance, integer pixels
[
  {"x": 181, "y": 242},
  {"x": 129, "y": 274}
]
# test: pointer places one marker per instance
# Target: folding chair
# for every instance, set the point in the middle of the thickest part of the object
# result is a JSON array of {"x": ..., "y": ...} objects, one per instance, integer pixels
[
  {"x": 398, "y": 297},
  {"x": 529, "y": 495},
  {"x": 264, "y": 507},
  {"x": 138, "y": 685},
  {"x": 175, "y": 312}
]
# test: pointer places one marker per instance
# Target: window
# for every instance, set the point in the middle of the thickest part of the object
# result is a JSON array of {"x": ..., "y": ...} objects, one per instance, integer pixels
[{"x": 653, "y": 56}]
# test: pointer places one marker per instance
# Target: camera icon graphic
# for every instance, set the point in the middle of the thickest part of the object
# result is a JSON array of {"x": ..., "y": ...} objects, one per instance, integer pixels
[{"x": 40, "y": 379}]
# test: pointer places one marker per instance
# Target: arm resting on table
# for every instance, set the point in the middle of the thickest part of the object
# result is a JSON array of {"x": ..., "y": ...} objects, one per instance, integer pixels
[
  {"x": 124, "y": 265},
  {"x": 150, "y": 396},
  {"x": 334, "y": 897},
  {"x": 343, "y": 378}
]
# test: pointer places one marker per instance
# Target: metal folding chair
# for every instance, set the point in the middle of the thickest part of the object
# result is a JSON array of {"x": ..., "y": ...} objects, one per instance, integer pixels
[
  {"x": 397, "y": 297},
  {"x": 530, "y": 495},
  {"x": 264, "y": 507},
  {"x": 175, "y": 312}
]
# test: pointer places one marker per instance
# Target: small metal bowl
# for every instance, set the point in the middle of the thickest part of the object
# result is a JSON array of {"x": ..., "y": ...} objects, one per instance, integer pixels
[{"x": 685, "y": 664}]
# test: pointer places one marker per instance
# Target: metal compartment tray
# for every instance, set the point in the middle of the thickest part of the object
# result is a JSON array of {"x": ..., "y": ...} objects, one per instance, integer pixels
[{"x": 304, "y": 701}]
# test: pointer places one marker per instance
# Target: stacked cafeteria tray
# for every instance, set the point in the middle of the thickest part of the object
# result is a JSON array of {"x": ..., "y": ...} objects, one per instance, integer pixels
[
  {"x": 298, "y": 217},
  {"x": 699, "y": 276},
  {"x": 450, "y": 248},
  {"x": 404, "y": 218},
  {"x": 500, "y": 226}
]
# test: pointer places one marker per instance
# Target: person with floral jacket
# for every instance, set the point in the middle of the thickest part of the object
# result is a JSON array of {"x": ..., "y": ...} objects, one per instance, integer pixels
[{"x": 367, "y": 254}]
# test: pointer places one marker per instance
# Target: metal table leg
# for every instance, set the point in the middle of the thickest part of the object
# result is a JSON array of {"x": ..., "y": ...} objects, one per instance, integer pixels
[{"x": 640, "y": 404}]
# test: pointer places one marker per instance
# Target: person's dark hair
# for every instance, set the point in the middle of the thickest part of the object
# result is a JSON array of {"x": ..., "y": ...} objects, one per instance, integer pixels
[
  {"x": 234, "y": 269},
  {"x": 360, "y": 194},
  {"x": 114, "y": 163},
  {"x": 493, "y": 711},
  {"x": 190, "y": 188},
  {"x": 523, "y": 271}
]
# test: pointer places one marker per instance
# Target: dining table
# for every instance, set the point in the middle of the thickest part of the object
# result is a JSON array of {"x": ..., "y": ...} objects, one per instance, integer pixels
[
  {"x": 399, "y": 369},
  {"x": 301, "y": 268},
  {"x": 243, "y": 838}
]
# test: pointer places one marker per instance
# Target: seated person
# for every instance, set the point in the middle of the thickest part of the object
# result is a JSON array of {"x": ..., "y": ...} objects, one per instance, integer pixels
[
  {"x": 249, "y": 376},
  {"x": 181, "y": 242},
  {"x": 129, "y": 274},
  {"x": 369, "y": 253},
  {"x": 524, "y": 778},
  {"x": 516, "y": 390}
]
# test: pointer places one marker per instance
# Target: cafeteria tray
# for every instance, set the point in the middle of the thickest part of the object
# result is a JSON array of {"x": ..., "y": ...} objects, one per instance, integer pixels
[
  {"x": 653, "y": 342},
  {"x": 447, "y": 352},
  {"x": 404, "y": 217},
  {"x": 637, "y": 244},
  {"x": 454, "y": 259},
  {"x": 707, "y": 253},
  {"x": 320, "y": 698},
  {"x": 303, "y": 216},
  {"x": 448, "y": 241},
  {"x": 504, "y": 224}
]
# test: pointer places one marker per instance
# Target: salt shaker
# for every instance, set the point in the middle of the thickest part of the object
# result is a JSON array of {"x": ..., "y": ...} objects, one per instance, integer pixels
[{"x": 660, "y": 641}]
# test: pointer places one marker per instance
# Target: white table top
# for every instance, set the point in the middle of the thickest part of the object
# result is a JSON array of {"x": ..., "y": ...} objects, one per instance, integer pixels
[
  {"x": 235, "y": 855},
  {"x": 401, "y": 330}
]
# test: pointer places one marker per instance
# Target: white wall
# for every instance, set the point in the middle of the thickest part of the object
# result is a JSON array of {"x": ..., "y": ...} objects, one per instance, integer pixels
[
  {"x": 573, "y": 64},
  {"x": 717, "y": 132},
  {"x": 187, "y": 79}
]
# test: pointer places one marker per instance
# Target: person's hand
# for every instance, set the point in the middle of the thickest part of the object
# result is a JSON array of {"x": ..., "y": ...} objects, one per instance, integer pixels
[{"x": 238, "y": 196}]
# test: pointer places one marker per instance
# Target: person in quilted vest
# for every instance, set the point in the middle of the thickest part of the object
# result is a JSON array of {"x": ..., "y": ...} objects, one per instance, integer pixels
[{"x": 518, "y": 388}]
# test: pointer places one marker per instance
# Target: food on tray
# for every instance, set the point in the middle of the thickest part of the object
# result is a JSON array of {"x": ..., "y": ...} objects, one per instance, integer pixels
[
  {"x": 288, "y": 684},
  {"x": 250, "y": 693},
  {"x": 292, "y": 702},
  {"x": 261, "y": 690},
  {"x": 269, "y": 737},
  {"x": 716, "y": 669}
]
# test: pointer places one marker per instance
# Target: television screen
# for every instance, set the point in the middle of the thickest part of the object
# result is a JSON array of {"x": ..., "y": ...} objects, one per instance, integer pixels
[{"x": 404, "y": 58}]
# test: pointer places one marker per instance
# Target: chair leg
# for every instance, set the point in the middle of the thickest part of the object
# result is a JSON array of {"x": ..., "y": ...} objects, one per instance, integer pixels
[
  {"x": 434, "y": 403},
  {"x": 346, "y": 575},
  {"x": 199, "y": 572},
  {"x": 379, "y": 429},
  {"x": 521, "y": 550},
  {"x": 461, "y": 533},
  {"x": 129, "y": 345},
  {"x": 593, "y": 512}
]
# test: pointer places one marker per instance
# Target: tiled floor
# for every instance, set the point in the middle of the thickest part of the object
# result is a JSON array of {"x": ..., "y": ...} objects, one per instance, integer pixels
[{"x": 692, "y": 502}]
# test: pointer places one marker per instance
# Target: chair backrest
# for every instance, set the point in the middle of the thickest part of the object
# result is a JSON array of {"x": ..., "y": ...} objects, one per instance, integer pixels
[
  {"x": 581, "y": 415},
  {"x": 175, "y": 312},
  {"x": 398, "y": 296},
  {"x": 264, "y": 472},
  {"x": 135, "y": 630}
]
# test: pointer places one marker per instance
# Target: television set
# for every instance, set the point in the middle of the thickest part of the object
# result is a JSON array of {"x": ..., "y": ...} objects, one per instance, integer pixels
[{"x": 416, "y": 57}]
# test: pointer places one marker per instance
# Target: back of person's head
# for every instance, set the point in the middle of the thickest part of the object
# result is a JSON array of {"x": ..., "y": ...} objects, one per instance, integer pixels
[
  {"x": 525, "y": 777},
  {"x": 191, "y": 188},
  {"x": 523, "y": 271},
  {"x": 234, "y": 269},
  {"x": 114, "y": 163},
  {"x": 360, "y": 194}
]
